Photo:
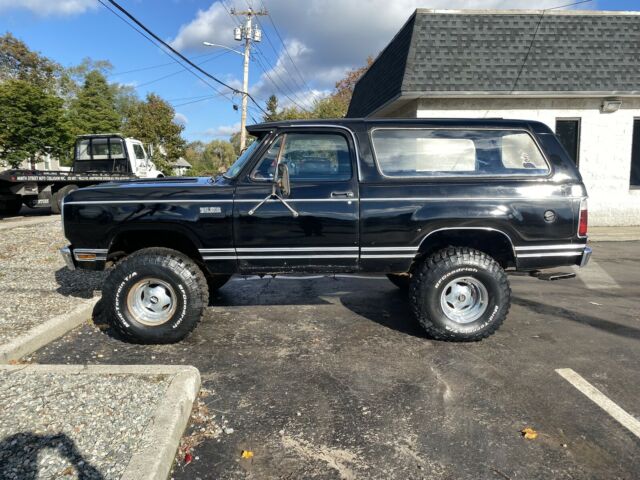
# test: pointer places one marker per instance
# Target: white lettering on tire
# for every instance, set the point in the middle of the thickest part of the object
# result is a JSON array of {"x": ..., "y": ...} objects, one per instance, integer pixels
[{"x": 118, "y": 292}]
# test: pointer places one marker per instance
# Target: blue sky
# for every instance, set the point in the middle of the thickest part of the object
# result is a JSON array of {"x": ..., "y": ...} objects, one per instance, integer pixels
[{"x": 323, "y": 38}]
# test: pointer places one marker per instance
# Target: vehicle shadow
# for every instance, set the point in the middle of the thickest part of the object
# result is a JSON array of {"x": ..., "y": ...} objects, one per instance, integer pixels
[
  {"x": 19, "y": 456},
  {"x": 80, "y": 284},
  {"x": 595, "y": 322}
]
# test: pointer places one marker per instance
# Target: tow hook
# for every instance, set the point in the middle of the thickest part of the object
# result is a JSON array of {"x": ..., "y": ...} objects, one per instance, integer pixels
[{"x": 551, "y": 276}]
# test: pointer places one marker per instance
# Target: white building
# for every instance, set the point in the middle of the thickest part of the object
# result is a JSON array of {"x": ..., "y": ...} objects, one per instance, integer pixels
[
  {"x": 180, "y": 167},
  {"x": 576, "y": 71}
]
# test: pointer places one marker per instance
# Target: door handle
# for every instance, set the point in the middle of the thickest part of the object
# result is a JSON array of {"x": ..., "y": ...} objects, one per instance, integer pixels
[{"x": 341, "y": 194}]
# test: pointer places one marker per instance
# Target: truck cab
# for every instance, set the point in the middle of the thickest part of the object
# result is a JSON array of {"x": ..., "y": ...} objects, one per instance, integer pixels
[
  {"x": 113, "y": 153},
  {"x": 446, "y": 208}
]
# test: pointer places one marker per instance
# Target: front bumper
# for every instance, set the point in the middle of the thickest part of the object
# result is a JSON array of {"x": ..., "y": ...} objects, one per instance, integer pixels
[
  {"x": 84, "y": 258},
  {"x": 586, "y": 255},
  {"x": 68, "y": 257}
]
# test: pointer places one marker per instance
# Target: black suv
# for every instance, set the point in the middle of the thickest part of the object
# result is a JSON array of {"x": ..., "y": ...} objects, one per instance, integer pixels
[{"x": 443, "y": 207}]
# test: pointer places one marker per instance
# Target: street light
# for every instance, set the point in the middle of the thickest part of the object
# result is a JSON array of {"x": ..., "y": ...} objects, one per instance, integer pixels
[{"x": 209, "y": 44}]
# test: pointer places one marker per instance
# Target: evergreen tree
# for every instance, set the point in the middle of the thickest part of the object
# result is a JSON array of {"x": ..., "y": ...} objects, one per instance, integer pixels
[
  {"x": 272, "y": 109},
  {"x": 94, "y": 109}
]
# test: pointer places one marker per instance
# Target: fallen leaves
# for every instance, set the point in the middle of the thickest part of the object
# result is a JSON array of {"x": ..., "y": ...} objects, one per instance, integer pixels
[
  {"x": 529, "y": 433},
  {"x": 246, "y": 454}
]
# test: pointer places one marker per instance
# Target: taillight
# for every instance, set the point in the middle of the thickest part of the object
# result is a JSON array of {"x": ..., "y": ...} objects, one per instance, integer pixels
[{"x": 584, "y": 219}]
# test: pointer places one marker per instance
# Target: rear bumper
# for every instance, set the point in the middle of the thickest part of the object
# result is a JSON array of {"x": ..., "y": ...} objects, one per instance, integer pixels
[{"x": 586, "y": 255}]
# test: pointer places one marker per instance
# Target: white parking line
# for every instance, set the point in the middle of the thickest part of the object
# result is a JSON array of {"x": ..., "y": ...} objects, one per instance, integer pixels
[
  {"x": 595, "y": 277},
  {"x": 600, "y": 399}
]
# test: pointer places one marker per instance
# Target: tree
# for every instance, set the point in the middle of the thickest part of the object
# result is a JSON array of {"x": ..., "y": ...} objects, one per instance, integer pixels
[
  {"x": 272, "y": 109},
  {"x": 151, "y": 122},
  {"x": 334, "y": 105},
  {"x": 32, "y": 123},
  {"x": 18, "y": 62},
  {"x": 94, "y": 109},
  {"x": 234, "y": 140}
]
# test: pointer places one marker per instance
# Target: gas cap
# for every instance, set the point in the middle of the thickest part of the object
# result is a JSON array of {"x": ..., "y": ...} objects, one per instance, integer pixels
[{"x": 550, "y": 216}]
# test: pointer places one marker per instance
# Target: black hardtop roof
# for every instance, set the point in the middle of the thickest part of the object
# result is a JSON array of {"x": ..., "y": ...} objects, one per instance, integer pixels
[{"x": 371, "y": 122}]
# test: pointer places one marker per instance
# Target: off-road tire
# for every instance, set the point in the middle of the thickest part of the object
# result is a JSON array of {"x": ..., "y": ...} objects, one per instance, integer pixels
[
  {"x": 402, "y": 281},
  {"x": 56, "y": 198},
  {"x": 431, "y": 277},
  {"x": 170, "y": 266},
  {"x": 216, "y": 282}
]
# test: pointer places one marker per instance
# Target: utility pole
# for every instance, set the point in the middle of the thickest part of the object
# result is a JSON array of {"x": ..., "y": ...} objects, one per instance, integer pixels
[{"x": 248, "y": 33}]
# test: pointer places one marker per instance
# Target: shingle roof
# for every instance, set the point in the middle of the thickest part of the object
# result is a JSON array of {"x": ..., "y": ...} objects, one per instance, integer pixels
[{"x": 483, "y": 52}]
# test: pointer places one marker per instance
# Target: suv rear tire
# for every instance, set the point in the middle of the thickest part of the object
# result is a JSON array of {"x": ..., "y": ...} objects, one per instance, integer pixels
[
  {"x": 155, "y": 295},
  {"x": 460, "y": 294}
]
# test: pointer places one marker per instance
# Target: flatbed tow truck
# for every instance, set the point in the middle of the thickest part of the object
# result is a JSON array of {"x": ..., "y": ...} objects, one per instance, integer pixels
[{"x": 98, "y": 158}]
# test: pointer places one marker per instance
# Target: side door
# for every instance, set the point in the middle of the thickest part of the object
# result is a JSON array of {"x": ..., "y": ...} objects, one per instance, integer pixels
[{"x": 319, "y": 232}]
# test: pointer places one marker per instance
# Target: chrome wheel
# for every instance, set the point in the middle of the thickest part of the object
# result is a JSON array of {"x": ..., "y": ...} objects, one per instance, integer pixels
[
  {"x": 152, "y": 301},
  {"x": 464, "y": 299}
]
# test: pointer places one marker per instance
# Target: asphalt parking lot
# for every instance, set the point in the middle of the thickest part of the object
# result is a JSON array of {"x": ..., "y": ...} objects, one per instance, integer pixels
[{"x": 332, "y": 378}]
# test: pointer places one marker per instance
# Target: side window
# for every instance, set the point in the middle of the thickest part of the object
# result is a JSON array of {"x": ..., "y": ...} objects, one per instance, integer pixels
[
  {"x": 139, "y": 151},
  {"x": 309, "y": 157},
  {"x": 442, "y": 152}
]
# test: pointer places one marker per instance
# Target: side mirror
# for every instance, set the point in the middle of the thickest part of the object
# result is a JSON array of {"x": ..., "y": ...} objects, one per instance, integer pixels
[{"x": 282, "y": 179}]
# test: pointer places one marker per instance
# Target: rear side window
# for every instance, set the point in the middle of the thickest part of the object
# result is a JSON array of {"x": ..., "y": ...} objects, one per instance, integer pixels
[{"x": 453, "y": 152}]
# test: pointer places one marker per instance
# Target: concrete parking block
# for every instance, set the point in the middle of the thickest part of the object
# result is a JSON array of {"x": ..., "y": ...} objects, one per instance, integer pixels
[
  {"x": 103, "y": 422},
  {"x": 46, "y": 332}
]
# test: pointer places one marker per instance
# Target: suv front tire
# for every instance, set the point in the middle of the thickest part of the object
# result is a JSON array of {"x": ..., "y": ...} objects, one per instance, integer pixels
[{"x": 155, "y": 295}]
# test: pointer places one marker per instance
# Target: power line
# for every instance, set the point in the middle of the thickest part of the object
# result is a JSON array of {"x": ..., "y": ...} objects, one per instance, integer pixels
[
  {"x": 177, "y": 72},
  {"x": 286, "y": 51},
  {"x": 533, "y": 39},
  {"x": 162, "y": 50},
  {"x": 178, "y": 54},
  {"x": 273, "y": 82},
  {"x": 152, "y": 67}
]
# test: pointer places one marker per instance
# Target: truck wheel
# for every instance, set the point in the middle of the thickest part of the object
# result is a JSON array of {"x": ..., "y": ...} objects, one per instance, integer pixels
[
  {"x": 216, "y": 282},
  {"x": 56, "y": 200},
  {"x": 10, "y": 207},
  {"x": 460, "y": 294},
  {"x": 400, "y": 280},
  {"x": 155, "y": 295}
]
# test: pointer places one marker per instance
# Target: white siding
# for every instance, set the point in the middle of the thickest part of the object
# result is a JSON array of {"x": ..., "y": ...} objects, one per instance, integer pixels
[{"x": 605, "y": 143}]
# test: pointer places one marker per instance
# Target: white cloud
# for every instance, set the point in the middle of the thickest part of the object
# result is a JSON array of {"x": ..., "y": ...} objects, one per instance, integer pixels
[
  {"x": 324, "y": 38},
  {"x": 180, "y": 119},
  {"x": 50, "y": 7},
  {"x": 221, "y": 131}
]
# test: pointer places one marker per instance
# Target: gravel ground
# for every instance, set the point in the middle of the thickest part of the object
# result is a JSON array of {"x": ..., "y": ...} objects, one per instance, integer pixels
[
  {"x": 68, "y": 426},
  {"x": 35, "y": 285}
]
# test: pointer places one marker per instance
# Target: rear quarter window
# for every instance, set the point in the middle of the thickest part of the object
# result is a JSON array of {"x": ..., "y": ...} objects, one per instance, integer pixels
[{"x": 404, "y": 152}]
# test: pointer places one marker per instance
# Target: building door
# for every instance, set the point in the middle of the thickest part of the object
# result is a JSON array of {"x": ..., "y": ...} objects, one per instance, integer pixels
[
  {"x": 315, "y": 227},
  {"x": 634, "y": 180},
  {"x": 568, "y": 132}
]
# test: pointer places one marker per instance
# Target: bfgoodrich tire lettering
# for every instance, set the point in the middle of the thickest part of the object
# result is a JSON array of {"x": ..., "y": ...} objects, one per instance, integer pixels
[
  {"x": 181, "y": 279},
  {"x": 480, "y": 273}
]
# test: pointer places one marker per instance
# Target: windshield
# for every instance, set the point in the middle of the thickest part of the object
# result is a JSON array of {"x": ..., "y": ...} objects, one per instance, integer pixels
[{"x": 237, "y": 166}]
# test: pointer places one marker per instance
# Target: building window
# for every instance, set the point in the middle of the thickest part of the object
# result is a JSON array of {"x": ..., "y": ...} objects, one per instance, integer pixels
[
  {"x": 568, "y": 132},
  {"x": 634, "y": 180}
]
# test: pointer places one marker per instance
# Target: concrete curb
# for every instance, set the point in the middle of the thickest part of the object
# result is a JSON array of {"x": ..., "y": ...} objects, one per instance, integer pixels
[
  {"x": 8, "y": 223},
  {"x": 169, "y": 420},
  {"x": 46, "y": 332}
]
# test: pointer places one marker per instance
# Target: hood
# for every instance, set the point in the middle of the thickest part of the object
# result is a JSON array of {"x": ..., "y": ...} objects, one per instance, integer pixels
[{"x": 165, "y": 189}]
